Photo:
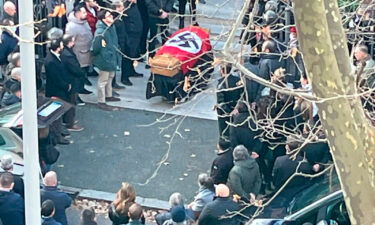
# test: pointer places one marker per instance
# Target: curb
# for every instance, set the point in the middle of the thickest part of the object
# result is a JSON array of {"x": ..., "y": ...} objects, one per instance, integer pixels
[{"x": 80, "y": 193}]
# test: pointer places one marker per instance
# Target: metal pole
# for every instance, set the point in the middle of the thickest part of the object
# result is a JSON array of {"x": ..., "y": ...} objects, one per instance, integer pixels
[{"x": 30, "y": 129}]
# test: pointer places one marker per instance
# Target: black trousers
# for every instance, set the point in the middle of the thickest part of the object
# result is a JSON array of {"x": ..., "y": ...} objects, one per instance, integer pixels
[
  {"x": 69, "y": 116},
  {"x": 127, "y": 68},
  {"x": 145, "y": 20},
  {"x": 181, "y": 11},
  {"x": 155, "y": 25}
]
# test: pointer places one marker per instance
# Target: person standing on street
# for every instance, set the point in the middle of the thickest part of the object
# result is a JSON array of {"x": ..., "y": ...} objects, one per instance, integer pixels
[
  {"x": 58, "y": 83},
  {"x": 105, "y": 56},
  {"x": 129, "y": 30},
  {"x": 244, "y": 178},
  {"x": 79, "y": 28},
  {"x": 60, "y": 199},
  {"x": 74, "y": 71},
  {"x": 158, "y": 11},
  {"x": 7, "y": 165},
  {"x": 48, "y": 211},
  {"x": 12, "y": 208}
]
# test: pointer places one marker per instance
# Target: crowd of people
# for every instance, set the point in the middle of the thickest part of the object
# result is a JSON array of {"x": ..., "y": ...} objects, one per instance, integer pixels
[{"x": 264, "y": 136}]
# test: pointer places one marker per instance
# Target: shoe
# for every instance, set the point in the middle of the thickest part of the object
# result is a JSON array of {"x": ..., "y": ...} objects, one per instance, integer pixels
[
  {"x": 127, "y": 82},
  {"x": 85, "y": 92},
  {"x": 117, "y": 86},
  {"x": 93, "y": 73},
  {"x": 112, "y": 99},
  {"x": 65, "y": 132},
  {"x": 63, "y": 141},
  {"x": 137, "y": 75},
  {"x": 196, "y": 24},
  {"x": 80, "y": 102},
  {"x": 106, "y": 107},
  {"x": 75, "y": 128},
  {"x": 115, "y": 94},
  {"x": 87, "y": 82}
]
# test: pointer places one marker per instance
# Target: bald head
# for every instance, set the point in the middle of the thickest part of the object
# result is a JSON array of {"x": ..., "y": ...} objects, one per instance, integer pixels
[
  {"x": 222, "y": 190},
  {"x": 10, "y": 8},
  {"x": 50, "y": 179}
]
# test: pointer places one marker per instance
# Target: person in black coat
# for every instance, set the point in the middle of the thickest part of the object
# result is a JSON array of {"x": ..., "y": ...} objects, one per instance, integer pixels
[
  {"x": 61, "y": 200},
  {"x": 223, "y": 163},
  {"x": 229, "y": 91},
  {"x": 7, "y": 166},
  {"x": 158, "y": 11},
  {"x": 269, "y": 62},
  {"x": 220, "y": 207},
  {"x": 285, "y": 166},
  {"x": 77, "y": 77},
  {"x": 12, "y": 208},
  {"x": 58, "y": 81},
  {"x": 129, "y": 30},
  {"x": 48, "y": 211}
]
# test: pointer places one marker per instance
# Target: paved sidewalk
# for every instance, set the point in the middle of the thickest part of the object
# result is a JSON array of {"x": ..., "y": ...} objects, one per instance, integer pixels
[{"x": 134, "y": 97}]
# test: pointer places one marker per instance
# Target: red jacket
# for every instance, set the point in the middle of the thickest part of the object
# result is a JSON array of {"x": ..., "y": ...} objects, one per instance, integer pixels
[{"x": 91, "y": 19}]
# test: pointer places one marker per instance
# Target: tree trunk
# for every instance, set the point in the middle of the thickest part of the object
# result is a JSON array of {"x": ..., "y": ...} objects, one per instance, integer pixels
[{"x": 350, "y": 136}]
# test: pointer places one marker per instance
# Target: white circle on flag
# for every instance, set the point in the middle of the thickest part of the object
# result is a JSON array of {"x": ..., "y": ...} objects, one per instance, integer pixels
[{"x": 186, "y": 41}]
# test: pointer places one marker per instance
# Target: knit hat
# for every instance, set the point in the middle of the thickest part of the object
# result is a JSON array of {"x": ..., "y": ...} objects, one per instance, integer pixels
[
  {"x": 178, "y": 214},
  {"x": 6, "y": 162}
]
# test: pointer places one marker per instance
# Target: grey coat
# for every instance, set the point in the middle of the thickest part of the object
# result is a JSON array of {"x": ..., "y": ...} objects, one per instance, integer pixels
[
  {"x": 81, "y": 31},
  {"x": 244, "y": 178}
]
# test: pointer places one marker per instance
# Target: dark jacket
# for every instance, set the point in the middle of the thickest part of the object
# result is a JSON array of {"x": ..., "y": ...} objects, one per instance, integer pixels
[
  {"x": 73, "y": 69},
  {"x": 221, "y": 166},
  {"x": 154, "y": 7},
  {"x": 19, "y": 186},
  {"x": 133, "y": 28},
  {"x": 267, "y": 66},
  {"x": 133, "y": 20},
  {"x": 244, "y": 178},
  {"x": 162, "y": 217},
  {"x": 122, "y": 35},
  {"x": 61, "y": 201},
  {"x": 285, "y": 167},
  {"x": 7, "y": 45},
  {"x": 12, "y": 209},
  {"x": 227, "y": 99},
  {"x": 57, "y": 82},
  {"x": 117, "y": 218},
  {"x": 50, "y": 221},
  {"x": 212, "y": 213},
  {"x": 244, "y": 132},
  {"x": 104, "y": 47}
]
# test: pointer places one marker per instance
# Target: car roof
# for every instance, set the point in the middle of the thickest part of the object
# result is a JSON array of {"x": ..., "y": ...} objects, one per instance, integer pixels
[{"x": 329, "y": 198}]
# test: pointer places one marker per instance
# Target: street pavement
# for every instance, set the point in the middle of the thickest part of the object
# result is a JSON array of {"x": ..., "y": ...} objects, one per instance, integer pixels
[{"x": 123, "y": 146}]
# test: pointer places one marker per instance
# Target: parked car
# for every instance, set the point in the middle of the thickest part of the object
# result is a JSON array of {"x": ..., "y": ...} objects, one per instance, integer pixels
[
  {"x": 11, "y": 143},
  {"x": 319, "y": 204}
]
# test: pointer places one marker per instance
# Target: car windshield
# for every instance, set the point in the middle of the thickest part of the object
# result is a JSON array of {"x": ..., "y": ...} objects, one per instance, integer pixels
[
  {"x": 8, "y": 113},
  {"x": 11, "y": 144},
  {"x": 313, "y": 193}
]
